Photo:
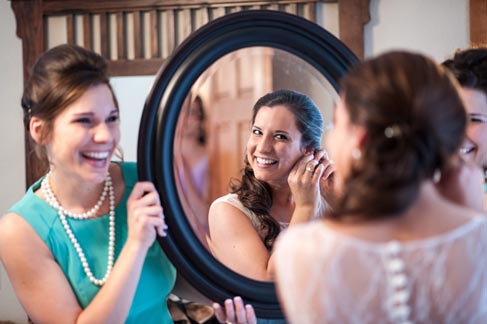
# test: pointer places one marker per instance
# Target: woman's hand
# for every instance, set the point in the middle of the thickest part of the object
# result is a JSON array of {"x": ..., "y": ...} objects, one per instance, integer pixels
[
  {"x": 144, "y": 215},
  {"x": 235, "y": 312},
  {"x": 303, "y": 181},
  {"x": 327, "y": 180},
  {"x": 311, "y": 178}
]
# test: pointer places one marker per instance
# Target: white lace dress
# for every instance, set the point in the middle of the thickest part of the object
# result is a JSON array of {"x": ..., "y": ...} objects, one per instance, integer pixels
[{"x": 327, "y": 277}]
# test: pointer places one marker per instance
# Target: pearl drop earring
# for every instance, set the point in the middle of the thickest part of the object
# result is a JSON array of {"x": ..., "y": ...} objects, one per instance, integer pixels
[{"x": 356, "y": 154}]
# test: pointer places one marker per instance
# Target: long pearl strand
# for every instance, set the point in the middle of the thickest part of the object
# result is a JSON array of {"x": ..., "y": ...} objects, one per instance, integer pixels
[{"x": 53, "y": 202}]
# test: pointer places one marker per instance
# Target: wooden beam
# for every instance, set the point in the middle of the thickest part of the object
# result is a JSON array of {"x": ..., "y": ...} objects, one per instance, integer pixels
[
  {"x": 94, "y": 6},
  {"x": 352, "y": 16},
  {"x": 478, "y": 23},
  {"x": 134, "y": 67},
  {"x": 30, "y": 29}
]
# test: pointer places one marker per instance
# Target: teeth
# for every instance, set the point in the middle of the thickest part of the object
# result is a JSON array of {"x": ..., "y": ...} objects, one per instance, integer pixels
[
  {"x": 264, "y": 161},
  {"x": 97, "y": 155}
]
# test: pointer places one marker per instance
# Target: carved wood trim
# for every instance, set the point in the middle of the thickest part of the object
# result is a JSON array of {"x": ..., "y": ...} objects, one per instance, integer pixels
[{"x": 30, "y": 28}]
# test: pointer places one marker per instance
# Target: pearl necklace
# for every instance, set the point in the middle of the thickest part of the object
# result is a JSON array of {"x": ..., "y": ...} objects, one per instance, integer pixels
[{"x": 53, "y": 202}]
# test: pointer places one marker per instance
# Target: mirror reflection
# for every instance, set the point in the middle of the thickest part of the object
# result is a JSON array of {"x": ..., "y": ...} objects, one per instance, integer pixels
[{"x": 214, "y": 125}]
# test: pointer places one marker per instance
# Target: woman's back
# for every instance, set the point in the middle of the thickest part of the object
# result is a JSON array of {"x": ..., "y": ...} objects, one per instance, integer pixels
[{"x": 442, "y": 279}]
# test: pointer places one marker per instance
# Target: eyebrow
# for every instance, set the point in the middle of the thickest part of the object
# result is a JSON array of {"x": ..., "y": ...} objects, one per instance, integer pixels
[
  {"x": 90, "y": 113},
  {"x": 276, "y": 131}
]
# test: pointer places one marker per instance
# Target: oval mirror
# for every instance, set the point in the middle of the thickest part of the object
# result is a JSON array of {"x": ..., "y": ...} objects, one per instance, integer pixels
[{"x": 265, "y": 51}]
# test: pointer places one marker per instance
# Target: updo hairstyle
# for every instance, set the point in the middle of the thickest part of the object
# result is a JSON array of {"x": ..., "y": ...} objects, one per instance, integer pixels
[
  {"x": 59, "y": 78},
  {"x": 415, "y": 121}
]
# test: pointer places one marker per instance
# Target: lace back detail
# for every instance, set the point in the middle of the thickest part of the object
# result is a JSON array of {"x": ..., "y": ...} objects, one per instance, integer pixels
[{"x": 398, "y": 291}]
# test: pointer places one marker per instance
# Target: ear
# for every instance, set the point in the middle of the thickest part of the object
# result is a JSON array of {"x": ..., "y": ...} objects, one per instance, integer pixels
[
  {"x": 307, "y": 150},
  {"x": 360, "y": 135},
  {"x": 37, "y": 130}
]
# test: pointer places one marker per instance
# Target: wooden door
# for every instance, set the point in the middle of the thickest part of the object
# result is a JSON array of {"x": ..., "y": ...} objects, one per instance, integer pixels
[{"x": 236, "y": 82}]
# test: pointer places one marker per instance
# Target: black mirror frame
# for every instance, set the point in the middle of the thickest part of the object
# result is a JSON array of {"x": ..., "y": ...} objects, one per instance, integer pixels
[{"x": 250, "y": 28}]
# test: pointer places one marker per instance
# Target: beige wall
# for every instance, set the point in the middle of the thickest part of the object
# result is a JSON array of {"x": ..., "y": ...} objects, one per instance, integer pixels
[
  {"x": 12, "y": 170},
  {"x": 411, "y": 24},
  {"x": 434, "y": 27}
]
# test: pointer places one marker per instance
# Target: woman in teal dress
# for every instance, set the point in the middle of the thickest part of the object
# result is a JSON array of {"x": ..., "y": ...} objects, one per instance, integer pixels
[{"x": 80, "y": 246}]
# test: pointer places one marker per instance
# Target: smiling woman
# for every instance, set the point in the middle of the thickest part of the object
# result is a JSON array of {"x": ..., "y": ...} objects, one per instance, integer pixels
[
  {"x": 85, "y": 232},
  {"x": 283, "y": 146}
]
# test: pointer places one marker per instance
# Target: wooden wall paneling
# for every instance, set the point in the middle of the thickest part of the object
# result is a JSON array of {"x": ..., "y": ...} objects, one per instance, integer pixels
[
  {"x": 170, "y": 33},
  {"x": 154, "y": 34},
  {"x": 30, "y": 29},
  {"x": 138, "y": 36},
  {"x": 87, "y": 31},
  {"x": 184, "y": 26},
  {"x": 70, "y": 28},
  {"x": 478, "y": 23},
  {"x": 121, "y": 36},
  {"x": 309, "y": 11},
  {"x": 291, "y": 8},
  {"x": 353, "y": 15},
  {"x": 104, "y": 35}
]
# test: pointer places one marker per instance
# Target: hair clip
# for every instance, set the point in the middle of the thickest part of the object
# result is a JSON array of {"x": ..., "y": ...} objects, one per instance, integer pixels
[{"x": 392, "y": 131}]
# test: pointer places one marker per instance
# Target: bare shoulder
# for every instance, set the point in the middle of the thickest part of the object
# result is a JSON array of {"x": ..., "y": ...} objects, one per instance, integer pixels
[
  {"x": 18, "y": 239},
  {"x": 229, "y": 219},
  {"x": 224, "y": 211},
  {"x": 34, "y": 274}
]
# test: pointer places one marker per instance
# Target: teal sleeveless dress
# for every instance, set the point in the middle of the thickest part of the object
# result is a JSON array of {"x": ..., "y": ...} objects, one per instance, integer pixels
[{"x": 158, "y": 274}]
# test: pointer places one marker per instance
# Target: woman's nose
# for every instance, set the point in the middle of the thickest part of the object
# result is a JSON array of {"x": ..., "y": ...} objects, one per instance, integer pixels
[
  {"x": 265, "y": 144},
  {"x": 102, "y": 133}
]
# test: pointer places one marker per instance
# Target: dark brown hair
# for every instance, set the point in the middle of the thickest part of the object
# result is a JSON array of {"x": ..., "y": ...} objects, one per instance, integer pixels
[
  {"x": 420, "y": 100},
  {"x": 60, "y": 77},
  {"x": 470, "y": 68},
  {"x": 256, "y": 195}
]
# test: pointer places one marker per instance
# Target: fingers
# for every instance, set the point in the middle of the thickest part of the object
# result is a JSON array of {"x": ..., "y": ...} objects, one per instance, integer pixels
[
  {"x": 235, "y": 312},
  {"x": 230, "y": 311},
  {"x": 251, "y": 317},
  {"x": 311, "y": 164},
  {"x": 219, "y": 313},
  {"x": 145, "y": 213},
  {"x": 240, "y": 310},
  {"x": 328, "y": 171}
]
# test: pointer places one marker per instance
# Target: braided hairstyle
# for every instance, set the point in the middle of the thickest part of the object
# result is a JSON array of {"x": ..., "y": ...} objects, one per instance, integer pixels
[
  {"x": 59, "y": 78},
  {"x": 256, "y": 195},
  {"x": 414, "y": 119}
]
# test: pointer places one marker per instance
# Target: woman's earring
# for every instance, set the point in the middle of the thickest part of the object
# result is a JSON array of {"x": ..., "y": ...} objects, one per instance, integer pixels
[
  {"x": 436, "y": 176},
  {"x": 356, "y": 154}
]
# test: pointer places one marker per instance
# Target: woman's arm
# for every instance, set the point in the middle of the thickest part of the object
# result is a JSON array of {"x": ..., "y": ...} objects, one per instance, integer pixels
[
  {"x": 41, "y": 285},
  {"x": 234, "y": 241}
]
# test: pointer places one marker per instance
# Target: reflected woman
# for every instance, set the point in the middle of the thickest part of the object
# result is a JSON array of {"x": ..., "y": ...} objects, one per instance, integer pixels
[
  {"x": 191, "y": 163},
  {"x": 283, "y": 149}
]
